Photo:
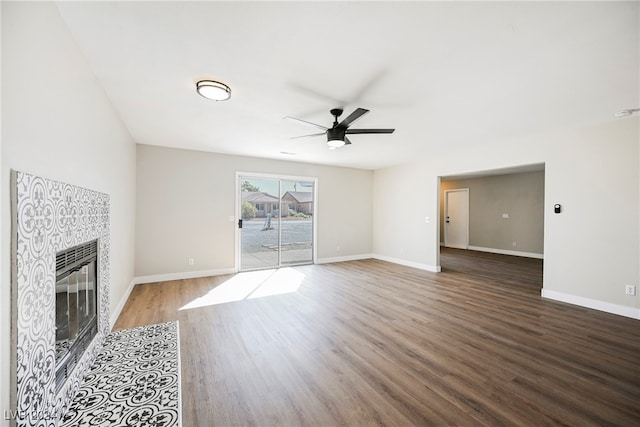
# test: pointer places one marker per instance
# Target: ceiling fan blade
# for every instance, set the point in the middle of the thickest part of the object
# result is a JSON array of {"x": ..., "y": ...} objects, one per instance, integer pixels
[
  {"x": 306, "y": 136},
  {"x": 306, "y": 122},
  {"x": 346, "y": 141},
  {"x": 359, "y": 112},
  {"x": 355, "y": 131}
]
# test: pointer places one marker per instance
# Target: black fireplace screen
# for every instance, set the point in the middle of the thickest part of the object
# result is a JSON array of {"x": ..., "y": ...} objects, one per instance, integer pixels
[{"x": 76, "y": 305}]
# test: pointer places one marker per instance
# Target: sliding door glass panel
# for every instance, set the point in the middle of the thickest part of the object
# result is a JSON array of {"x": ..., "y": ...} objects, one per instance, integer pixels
[
  {"x": 277, "y": 222},
  {"x": 260, "y": 213},
  {"x": 296, "y": 206}
]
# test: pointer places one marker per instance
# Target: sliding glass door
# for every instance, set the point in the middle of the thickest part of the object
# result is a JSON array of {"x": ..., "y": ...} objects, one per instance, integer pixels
[{"x": 276, "y": 225}]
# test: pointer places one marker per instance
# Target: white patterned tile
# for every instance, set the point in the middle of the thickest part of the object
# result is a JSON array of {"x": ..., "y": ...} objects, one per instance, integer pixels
[
  {"x": 50, "y": 216},
  {"x": 135, "y": 381}
]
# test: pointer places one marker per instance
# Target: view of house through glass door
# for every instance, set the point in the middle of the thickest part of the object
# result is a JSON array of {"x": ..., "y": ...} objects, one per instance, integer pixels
[{"x": 276, "y": 221}]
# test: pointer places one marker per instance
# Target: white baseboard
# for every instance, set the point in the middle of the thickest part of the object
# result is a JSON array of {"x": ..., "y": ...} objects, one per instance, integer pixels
[
  {"x": 420, "y": 266},
  {"x": 183, "y": 275},
  {"x": 456, "y": 246},
  {"x": 116, "y": 313},
  {"x": 343, "y": 258},
  {"x": 620, "y": 310},
  {"x": 507, "y": 252}
]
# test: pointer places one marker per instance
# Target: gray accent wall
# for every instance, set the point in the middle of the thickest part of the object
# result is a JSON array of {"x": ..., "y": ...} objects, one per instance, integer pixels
[{"x": 519, "y": 195}]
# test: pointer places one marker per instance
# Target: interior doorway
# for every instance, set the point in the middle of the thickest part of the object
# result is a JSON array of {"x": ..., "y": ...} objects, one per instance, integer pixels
[
  {"x": 506, "y": 215},
  {"x": 276, "y": 221}
]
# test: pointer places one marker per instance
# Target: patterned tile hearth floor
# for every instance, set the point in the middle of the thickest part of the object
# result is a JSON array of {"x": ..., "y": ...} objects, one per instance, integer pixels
[{"x": 135, "y": 381}]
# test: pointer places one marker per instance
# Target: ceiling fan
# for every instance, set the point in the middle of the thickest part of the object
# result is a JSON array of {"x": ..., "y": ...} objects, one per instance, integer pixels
[{"x": 337, "y": 134}]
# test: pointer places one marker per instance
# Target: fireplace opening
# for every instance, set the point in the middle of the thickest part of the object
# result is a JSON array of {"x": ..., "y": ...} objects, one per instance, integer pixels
[{"x": 76, "y": 306}]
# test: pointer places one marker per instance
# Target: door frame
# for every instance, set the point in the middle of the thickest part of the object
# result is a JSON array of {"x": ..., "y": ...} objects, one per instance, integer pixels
[
  {"x": 238, "y": 212},
  {"x": 446, "y": 210}
]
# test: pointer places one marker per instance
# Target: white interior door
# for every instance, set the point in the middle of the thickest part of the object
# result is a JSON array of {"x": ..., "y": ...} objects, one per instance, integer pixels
[{"x": 456, "y": 218}]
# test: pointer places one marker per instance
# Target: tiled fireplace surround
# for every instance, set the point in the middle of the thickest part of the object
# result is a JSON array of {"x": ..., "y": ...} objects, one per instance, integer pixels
[{"x": 49, "y": 216}]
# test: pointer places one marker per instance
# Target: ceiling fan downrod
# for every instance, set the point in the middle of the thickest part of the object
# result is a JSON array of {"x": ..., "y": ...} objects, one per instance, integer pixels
[{"x": 336, "y": 112}]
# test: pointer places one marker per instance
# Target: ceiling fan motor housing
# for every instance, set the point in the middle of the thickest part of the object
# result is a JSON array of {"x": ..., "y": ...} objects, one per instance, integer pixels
[{"x": 336, "y": 133}]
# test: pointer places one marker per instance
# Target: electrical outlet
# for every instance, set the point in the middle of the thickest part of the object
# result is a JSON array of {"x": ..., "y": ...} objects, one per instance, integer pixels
[
  {"x": 190, "y": 261},
  {"x": 630, "y": 290},
  {"x": 514, "y": 244}
]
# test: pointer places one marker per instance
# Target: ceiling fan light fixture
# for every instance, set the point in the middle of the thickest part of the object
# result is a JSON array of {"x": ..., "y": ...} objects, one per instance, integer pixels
[
  {"x": 213, "y": 90},
  {"x": 335, "y": 137},
  {"x": 335, "y": 143}
]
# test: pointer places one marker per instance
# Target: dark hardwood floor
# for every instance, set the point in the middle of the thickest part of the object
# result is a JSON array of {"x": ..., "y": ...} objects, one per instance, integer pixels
[{"x": 373, "y": 343}]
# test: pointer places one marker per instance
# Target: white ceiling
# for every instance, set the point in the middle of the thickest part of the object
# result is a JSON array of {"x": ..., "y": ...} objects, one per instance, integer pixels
[{"x": 445, "y": 75}]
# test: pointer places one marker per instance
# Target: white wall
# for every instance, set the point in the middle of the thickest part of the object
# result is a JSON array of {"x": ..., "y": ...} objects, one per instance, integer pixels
[
  {"x": 591, "y": 249},
  {"x": 185, "y": 199},
  {"x": 58, "y": 123}
]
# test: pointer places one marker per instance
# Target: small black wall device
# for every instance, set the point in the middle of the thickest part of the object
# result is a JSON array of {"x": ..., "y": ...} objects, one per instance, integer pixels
[{"x": 556, "y": 208}]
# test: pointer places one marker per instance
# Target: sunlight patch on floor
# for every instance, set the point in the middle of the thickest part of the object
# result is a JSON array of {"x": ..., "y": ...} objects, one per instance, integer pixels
[
  {"x": 283, "y": 281},
  {"x": 249, "y": 285}
]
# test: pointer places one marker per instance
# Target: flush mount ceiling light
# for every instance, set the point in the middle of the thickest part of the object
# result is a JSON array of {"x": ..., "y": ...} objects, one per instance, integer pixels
[
  {"x": 214, "y": 90},
  {"x": 626, "y": 113}
]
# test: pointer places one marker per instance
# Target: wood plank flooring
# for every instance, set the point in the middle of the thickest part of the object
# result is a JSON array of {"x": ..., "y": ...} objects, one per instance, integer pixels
[{"x": 373, "y": 343}]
